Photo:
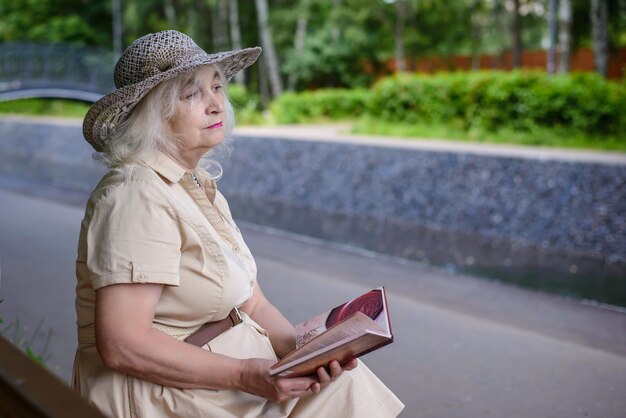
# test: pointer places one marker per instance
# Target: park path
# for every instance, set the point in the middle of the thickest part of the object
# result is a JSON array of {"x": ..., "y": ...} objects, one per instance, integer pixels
[
  {"x": 465, "y": 347},
  {"x": 341, "y": 132}
]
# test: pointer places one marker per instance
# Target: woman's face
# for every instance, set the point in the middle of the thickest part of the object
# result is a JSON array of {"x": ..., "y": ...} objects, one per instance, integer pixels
[{"x": 198, "y": 123}]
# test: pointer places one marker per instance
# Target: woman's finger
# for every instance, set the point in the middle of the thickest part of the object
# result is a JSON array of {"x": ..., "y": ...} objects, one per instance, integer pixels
[
  {"x": 335, "y": 369},
  {"x": 315, "y": 388},
  {"x": 298, "y": 392},
  {"x": 294, "y": 387},
  {"x": 350, "y": 365},
  {"x": 323, "y": 376}
]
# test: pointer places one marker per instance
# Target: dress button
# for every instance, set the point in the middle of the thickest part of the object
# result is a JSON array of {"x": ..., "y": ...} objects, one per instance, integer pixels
[{"x": 236, "y": 249}]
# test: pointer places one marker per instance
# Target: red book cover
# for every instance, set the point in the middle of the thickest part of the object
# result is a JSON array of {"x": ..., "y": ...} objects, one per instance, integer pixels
[{"x": 351, "y": 329}]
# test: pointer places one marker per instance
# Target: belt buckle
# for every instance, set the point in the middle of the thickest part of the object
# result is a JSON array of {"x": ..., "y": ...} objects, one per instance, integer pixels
[{"x": 235, "y": 316}]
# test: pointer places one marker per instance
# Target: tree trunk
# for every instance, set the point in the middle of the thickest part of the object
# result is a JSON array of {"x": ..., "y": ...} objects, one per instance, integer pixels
[
  {"x": 298, "y": 42},
  {"x": 335, "y": 30},
  {"x": 219, "y": 33},
  {"x": 235, "y": 34},
  {"x": 476, "y": 33},
  {"x": 117, "y": 28},
  {"x": 194, "y": 9},
  {"x": 170, "y": 14},
  {"x": 600, "y": 35},
  {"x": 516, "y": 35},
  {"x": 500, "y": 22},
  {"x": 263, "y": 82},
  {"x": 271, "y": 61},
  {"x": 552, "y": 23},
  {"x": 565, "y": 35},
  {"x": 399, "y": 34}
]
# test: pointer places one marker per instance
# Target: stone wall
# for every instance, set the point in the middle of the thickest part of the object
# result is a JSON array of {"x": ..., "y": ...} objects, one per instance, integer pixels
[
  {"x": 542, "y": 222},
  {"x": 519, "y": 218},
  {"x": 47, "y": 151}
]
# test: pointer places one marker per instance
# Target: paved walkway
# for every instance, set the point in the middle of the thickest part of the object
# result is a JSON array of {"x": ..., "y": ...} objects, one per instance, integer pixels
[
  {"x": 464, "y": 347},
  {"x": 341, "y": 132}
]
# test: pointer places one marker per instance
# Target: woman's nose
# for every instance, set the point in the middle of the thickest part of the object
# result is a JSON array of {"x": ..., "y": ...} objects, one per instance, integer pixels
[{"x": 216, "y": 104}]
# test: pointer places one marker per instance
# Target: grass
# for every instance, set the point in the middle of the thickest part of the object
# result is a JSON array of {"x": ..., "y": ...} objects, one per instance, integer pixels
[
  {"x": 19, "y": 337},
  {"x": 45, "y": 107},
  {"x": 538, "y": 136}
]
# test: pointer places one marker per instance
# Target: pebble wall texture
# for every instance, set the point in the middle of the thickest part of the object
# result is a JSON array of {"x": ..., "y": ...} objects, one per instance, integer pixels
[
  {"x": 536, "y": 219},
  {"x": 469, "y": 211},
  {"x": 48, "y": 151}
]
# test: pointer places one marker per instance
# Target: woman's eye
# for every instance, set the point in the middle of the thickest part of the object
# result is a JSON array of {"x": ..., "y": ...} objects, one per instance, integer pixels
[
  {"x": 191, "y": 95},
  {"x": 217, "y": 87}
]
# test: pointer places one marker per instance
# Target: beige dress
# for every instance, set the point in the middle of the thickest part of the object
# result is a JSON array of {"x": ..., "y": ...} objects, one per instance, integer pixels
[{"x": 151, "y": 223}]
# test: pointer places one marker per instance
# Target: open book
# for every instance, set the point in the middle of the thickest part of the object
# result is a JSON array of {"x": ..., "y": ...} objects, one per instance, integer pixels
[{"x": 350, "y": 330}]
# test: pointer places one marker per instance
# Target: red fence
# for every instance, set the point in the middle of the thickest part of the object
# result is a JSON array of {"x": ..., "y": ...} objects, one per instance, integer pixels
[{"x": 582, "y": 60}]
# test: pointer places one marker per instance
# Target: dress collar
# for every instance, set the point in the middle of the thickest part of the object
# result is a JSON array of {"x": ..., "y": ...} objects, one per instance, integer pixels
[
  {"x": 169, "y": 169},
  {"x": 165, "y": 166}
]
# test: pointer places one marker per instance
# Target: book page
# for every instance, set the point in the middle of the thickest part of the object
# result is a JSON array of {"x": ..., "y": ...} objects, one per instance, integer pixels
[
  {"x": 350, "y": 329},
  {"x": 373, "y": 304},
  {"x": 310, "y": 329},
  {"x": 341, "y": 352}
]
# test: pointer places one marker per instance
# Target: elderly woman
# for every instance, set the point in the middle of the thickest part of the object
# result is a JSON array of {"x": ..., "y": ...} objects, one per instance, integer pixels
[{"x": 171, "y": 319}]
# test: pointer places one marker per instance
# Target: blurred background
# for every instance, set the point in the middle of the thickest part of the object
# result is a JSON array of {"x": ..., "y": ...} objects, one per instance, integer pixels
[
  {"x": 469, "y": 69},
  {"x": 424, "y": 145}
]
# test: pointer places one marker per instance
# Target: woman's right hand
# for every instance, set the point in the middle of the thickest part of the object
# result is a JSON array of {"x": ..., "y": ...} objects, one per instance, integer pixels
[{"x": 256, "y": 380}]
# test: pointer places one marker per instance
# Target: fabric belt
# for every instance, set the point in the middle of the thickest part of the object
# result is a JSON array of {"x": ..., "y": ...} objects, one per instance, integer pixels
[{"x": 198, "y": 335}]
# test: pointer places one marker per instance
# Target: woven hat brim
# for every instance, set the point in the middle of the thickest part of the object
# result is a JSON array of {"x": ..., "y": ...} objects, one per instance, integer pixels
[{"x": 105, "y": 114}]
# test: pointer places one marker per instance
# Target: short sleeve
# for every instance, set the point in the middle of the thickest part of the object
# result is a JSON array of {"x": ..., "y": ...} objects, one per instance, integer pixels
[{"x": 133, "y": 236}]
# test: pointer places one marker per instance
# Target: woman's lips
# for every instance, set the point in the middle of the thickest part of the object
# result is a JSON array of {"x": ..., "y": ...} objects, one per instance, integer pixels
[{"x": 215, "y": 125}]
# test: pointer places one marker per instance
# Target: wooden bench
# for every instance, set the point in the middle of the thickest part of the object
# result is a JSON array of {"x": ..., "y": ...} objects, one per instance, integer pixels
[{"x": 28, "y": 390}]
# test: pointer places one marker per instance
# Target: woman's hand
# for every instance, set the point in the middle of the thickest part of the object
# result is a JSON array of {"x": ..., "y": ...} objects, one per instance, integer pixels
[
  {"x": 334, "y": 371},
  {"x": 256, "y": 380}
]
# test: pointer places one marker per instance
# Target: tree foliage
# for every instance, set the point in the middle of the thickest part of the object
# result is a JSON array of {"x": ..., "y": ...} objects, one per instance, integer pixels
[
  {"x": 341, "y": 37},
  {"x": 56, "y": 21}
]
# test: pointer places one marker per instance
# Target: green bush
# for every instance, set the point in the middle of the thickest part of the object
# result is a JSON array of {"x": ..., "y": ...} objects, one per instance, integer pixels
[
  {"x": 43, "y": 106},
  {"x": 491, "y": 100},
  {"x": 247, "y": 105},
  {"x": 324, "y": 104},
  {"x": 241, "y": 98}
]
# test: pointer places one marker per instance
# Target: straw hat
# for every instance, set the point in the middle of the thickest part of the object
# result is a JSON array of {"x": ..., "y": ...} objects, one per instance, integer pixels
[{"x": 148, "y": 61}]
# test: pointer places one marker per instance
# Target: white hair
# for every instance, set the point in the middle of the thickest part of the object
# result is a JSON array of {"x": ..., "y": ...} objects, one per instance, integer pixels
[{"x": 146, "y": 129}]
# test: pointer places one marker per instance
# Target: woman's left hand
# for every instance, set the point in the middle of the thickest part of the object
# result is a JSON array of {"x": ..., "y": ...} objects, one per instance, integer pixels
[{"x": 334, "y": 371}]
